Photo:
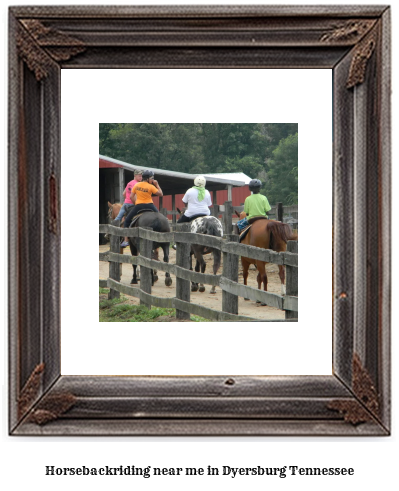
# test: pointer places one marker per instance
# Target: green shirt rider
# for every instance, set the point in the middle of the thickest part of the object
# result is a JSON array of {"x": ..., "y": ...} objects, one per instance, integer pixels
[{"x": 255, "y": 205}]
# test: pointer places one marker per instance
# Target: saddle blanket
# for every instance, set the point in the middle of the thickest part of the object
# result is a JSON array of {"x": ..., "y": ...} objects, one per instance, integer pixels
[{"x": 244, "y": 232}]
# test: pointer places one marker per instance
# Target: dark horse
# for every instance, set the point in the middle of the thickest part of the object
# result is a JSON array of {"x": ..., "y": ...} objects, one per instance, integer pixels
[
  {"x": 207, "y": 225},
  {"x": 158, "y": 223},
  {"x": 266, "y": 234}
]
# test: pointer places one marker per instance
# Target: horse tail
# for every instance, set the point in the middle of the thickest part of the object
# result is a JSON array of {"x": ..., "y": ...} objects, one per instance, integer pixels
[
  {"x": 279, "y": 231},
  {"x": 214, "y": 228}
]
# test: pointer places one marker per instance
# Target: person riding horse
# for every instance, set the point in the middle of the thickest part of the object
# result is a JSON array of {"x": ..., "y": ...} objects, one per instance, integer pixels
[
  {"x": 128, "y": 203},
  {"x": 141, "y": 195},
  {"x": 198, "y": 201},
  {"x": 255, "y": 205}
]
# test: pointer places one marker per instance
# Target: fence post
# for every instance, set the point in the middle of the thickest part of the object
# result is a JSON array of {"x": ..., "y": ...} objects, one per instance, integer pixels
[
  {"x": 292, "y": 279},
  {"x": 227, "y": 218},
  {"x": 114, "y": 269},
  {"x": 215, "y": 211},
  {"x": 183, "y": 260},
  {"x": 230, "y": 271},
  {"x": 174, "y": 208},
  {"x": 279, "y": 212},
  {"x": 145, "y": 273}
]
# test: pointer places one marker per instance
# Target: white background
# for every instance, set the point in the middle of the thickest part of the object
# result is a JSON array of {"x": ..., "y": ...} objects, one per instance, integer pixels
[
  {"x": 302, "y": 96},
  {"x": 24, "y": 459}
]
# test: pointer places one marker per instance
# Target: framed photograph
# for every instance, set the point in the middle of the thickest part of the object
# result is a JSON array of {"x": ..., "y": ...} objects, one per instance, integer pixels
[{"x": 353, "y": 43}]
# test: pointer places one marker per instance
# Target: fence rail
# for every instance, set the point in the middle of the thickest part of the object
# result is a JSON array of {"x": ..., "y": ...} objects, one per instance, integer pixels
[{"x": 227, "y": 281}]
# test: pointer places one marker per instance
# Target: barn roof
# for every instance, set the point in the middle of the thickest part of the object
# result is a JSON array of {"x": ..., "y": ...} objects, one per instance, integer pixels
[
  {"x": 173, "y": 182},
  {"x": 232, "y": 176}
]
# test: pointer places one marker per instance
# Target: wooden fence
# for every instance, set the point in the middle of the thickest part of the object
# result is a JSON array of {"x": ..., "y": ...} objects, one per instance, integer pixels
[{"x": 227, "y": 281}]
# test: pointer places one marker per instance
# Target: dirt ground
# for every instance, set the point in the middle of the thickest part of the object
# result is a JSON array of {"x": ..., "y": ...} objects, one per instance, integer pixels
[{"x": 214, "y": 301}]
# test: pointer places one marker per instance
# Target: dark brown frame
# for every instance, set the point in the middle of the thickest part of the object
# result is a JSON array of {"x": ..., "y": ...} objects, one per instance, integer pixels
[{"x": 353, "y": 41}]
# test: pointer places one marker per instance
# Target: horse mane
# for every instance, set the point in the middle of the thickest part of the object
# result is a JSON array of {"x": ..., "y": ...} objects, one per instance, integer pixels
[{"x": 280, "y": 231}]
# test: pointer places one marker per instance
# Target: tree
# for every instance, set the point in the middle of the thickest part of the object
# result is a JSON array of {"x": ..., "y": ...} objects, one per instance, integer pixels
[
  {"x": 282, "y": 178},
  {"x": 106, "y": 144},
  {"x": 196, "y": 148}
]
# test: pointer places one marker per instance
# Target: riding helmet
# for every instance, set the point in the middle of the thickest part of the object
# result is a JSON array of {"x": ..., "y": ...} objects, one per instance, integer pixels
[
  {"x": 200, "y": 181},
  {"x": 254, "y": 184},
  {"x": 148, "y": 174}
]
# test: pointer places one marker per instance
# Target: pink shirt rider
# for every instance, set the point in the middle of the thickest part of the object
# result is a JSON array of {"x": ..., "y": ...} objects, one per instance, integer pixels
[{"x": 128, "y": 190}]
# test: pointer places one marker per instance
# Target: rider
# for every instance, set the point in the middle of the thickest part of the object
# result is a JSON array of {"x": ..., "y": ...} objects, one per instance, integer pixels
[
  {"x": 128, "y": 203},
  {"x": 198, "y": 201},
  {"x": 255, "y": 205},
  {"x": 141, "y": 196}
]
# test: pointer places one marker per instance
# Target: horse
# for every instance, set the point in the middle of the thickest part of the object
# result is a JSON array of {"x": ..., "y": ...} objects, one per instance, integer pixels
[
  {"x": 113, "y": 210},
  {"x": 207, "y": 225},
  {"x": 158, "y": 223},
  {"x": 266, "y": 234}
]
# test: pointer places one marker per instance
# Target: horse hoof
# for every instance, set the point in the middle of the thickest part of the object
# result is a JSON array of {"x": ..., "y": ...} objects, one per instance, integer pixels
[
  {"x": 202, "y": 289},
  {"x": 213, "y": 292},
  {"x": 134, "y": 282},
  {"x": 246, "y": 299},
  {"x": 168, "y": 281},
  {"x": 155, "y": 278},
  {"x": 194, "y": 288}
]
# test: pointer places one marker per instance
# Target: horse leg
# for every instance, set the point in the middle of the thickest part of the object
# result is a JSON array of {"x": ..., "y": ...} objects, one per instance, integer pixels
[
  {"x": 245, "y": 268},
  {"x": 154, "y": 273},
  {"x": 262, "y": 277},
  {"x": 281, "y": 273},
  {"x": 134, "y": 279},
  {"x": 194, "y": 286},
  {"x": 165, "y": 248},
  {"x": 281, "y": 246},
  {"x": 202, "y": 263},
  {"x": 216, "y": 264},
  {"x": 133, "y": 251}
]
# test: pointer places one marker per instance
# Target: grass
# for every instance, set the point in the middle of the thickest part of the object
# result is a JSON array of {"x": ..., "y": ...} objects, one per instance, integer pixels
[{"x": 119, "y": 310}]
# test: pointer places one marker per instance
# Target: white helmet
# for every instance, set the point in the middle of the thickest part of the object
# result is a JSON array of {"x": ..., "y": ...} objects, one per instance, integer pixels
[{"x": 200, "y": 181}]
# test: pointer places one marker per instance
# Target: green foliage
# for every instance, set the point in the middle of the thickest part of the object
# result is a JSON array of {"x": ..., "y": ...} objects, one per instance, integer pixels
[
  {"x": 282, "y": 177},
  {"x": 118, "y": 310},
  {"x": 260, "y": 150}
]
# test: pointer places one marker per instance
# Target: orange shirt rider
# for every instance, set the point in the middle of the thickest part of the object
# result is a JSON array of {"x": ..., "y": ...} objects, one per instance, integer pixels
[
  {"x": 143, "y": 192},
  {"x": 141, "y": 196}
]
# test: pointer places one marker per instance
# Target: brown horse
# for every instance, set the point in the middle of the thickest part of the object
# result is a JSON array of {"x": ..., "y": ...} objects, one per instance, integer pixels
[
  {"x": 113, "y": 210},
  {"x": 267, "y": 234}
]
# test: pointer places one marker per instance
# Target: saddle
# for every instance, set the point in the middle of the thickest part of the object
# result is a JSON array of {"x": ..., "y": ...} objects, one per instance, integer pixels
[
  {"x": 244, "y": 232},
  {"x": 136, "y": 217},
  {"x": 255, "y": 219}
]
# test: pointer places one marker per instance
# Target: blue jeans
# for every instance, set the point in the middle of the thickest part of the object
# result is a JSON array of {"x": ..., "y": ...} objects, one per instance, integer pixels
[
  {"x": 125, "y": 208},
  {"x": 241, "y": 224}
]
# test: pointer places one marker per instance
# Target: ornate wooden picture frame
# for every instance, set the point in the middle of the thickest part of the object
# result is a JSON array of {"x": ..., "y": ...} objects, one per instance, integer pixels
[{"x": 352, "y": 41}]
